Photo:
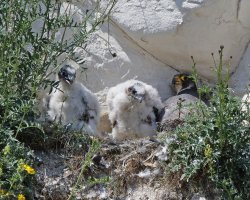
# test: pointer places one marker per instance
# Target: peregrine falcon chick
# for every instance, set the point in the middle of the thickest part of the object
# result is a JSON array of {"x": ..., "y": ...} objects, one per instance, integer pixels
[
  {"x": 133, "y": 109},
  {"x": 177, "y": 107},
  {"x": 72, "y": 104},
  {"x": 183, "y": 84}
]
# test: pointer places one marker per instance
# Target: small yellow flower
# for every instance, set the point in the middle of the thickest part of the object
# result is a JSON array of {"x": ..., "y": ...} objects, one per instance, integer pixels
[
  {"x": 21, "y": 197},
  {"x": 208, "y": 151},
  {"x": 29, "y": 169}
]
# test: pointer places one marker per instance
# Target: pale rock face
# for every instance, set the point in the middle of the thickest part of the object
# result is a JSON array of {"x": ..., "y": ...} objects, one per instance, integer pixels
[
  {"x": 241, "y": 78},
  {"x": 171, "y": 107},
  {"x": 172, "y": 31},
  {"x": 243, "y": 13}
]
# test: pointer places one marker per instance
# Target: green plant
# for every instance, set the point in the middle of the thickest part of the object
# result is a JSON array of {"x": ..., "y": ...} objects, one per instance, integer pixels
[
  {"x": 214, "y": 141},
  {"x": 16, "y": 173},
  {"x": 95, "y": 145},
  {"x": 26, "y": 55},
  {"x": 27, "y": 58}
]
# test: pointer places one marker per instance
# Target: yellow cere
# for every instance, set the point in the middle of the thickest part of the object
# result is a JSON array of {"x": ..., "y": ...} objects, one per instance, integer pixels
[
  {"x": 183, "y": 78},
  {"x": 21, "y": 197}
]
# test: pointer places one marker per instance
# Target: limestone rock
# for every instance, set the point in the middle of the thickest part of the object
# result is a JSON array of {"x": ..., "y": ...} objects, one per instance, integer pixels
[
  {"x": 173, "y": 114},
  {"x": 172, "y": 31},
  {"x": 241, "y": 78},
  {"x": 171, "y": 108}
]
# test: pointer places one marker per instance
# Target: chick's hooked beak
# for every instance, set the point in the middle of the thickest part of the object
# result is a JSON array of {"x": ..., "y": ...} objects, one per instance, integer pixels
[
  {"x": 136, "y": 94},
  {"x": 70, "y": 79},
  {"x": 140, "y": 98}
]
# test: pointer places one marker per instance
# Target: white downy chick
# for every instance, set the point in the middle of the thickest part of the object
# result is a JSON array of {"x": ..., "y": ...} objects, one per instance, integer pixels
[
  {"x": 72, "y": 104},
  {"x": 133, "y": 109}
]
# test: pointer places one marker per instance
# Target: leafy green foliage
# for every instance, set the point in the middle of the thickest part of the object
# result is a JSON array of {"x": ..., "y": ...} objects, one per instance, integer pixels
[
  {"x": 26, "y": 55},
  {"x": 215, "y": 141},
  {"x": 16, "y": 173}
]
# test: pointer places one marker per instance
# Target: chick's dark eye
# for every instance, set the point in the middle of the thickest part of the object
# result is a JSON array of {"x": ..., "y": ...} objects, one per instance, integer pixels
[{"x": 134, "y": 92}]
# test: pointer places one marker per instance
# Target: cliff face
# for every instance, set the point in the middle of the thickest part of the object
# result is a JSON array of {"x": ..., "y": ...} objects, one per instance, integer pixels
[
  {"x": 152, "y": 39},
  {"x": 172, "y": 31}
]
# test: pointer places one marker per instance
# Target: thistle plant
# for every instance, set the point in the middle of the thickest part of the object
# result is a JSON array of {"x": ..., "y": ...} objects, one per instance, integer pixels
[{"x": 215, "y": 144}]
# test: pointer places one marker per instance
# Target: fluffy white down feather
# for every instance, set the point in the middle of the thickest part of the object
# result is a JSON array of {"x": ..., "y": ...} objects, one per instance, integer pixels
[
  {"x": 130, "y": 119},
  {"x": 72, "y": 104}
]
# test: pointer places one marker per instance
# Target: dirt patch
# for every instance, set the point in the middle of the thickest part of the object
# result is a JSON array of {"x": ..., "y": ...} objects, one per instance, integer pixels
[{"x": 129, "y": 170}]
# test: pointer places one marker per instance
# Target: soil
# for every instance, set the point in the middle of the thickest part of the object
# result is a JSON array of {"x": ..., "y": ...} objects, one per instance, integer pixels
[{"x": 129, "y": 170}]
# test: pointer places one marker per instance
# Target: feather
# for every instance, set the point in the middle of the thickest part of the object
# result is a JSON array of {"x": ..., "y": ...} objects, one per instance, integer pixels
[
  {"x": 72, "y": 103},
  {"x": 132, "y": 109}
]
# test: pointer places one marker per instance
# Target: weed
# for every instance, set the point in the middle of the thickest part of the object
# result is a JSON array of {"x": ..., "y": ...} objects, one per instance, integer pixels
[{"x": 213, "y": 142}]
